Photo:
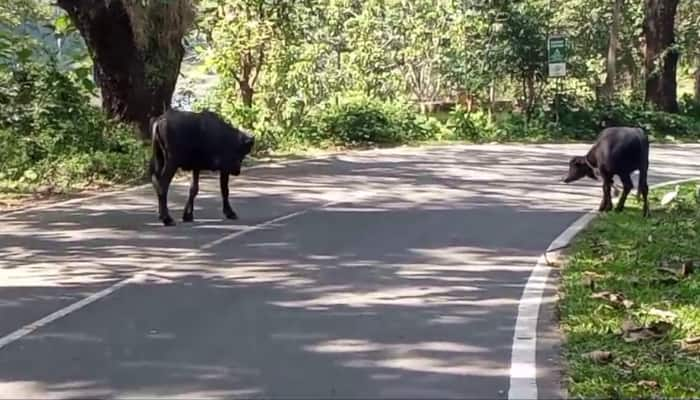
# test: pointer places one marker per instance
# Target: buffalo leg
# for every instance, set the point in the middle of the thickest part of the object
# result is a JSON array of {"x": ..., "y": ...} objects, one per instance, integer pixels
[
  {"x": 606, "y": 203},
  {"x": 188, "y": 214},
  {"x": 155, "y": 181},
  {"x": 644, "y": 190},
  {"x": 228, "y": 211},
  {"x": 163, "y": 186},
  {"x": 626, "y": 188}
]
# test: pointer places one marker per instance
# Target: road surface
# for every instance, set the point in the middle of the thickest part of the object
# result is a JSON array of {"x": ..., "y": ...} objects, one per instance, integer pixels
[{"x": 382, "y": 274}]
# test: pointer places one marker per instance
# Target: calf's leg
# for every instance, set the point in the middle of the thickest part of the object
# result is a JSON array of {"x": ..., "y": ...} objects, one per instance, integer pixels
[
  {"x": 228, "y": 211},
  {"x": 163, "y": 186},
  {"x": 606, "y": 203},
  {"x": 644, "y": 190},
  {"x": 188, "y": 214},
  {"x": 626, "y": 188}
]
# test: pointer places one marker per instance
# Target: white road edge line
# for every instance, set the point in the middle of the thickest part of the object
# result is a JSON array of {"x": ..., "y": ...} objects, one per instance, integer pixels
[
  {"x": 142, "y": 275},
  {"x": 523, "y": 359}
]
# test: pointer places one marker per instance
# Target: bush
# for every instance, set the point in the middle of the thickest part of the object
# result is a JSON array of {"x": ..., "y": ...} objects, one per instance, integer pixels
[
  {"x": 358, "y": 120},
  {"x": 51, "y": 135},
  {"x": 585, "y": 122}
]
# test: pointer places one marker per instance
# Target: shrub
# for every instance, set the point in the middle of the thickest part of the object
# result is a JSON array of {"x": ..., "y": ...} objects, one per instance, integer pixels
[
  {"x": 359, "y": 120},
  {"x": 51, "y": 135}
]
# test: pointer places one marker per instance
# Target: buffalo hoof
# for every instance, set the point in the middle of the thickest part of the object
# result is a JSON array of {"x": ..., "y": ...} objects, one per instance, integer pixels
[
  {"x": 187, "y": 217},
  {"x": 230, "y": 214},
  {"x": 168, "y": 221}
]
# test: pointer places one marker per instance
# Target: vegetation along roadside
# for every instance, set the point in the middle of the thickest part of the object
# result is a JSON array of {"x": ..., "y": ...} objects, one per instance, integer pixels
[{"x": 630, "y": 301}]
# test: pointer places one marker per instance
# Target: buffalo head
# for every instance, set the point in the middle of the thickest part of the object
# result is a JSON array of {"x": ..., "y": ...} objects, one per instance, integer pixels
[
  {"x": 244, "y": 146},
  {"x": 579, "y": 168}
]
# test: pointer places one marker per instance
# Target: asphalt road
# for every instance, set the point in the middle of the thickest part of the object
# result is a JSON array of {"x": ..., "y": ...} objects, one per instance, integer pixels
[{"x": 390, "y": 274}]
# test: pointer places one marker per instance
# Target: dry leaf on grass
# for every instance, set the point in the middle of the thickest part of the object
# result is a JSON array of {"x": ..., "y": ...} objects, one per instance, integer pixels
[
  {"x": 588, "y": 282},
  {"x": 632, "y": 333},
  {"x": 684, "y": 269},
  {"x": 617, "y": 299},
  {"x": 649, "y": 384},
  {"x": 629, "y": 365},
  {"x": 599, "y": 356},
  {"x": 687, "y": 268},
  {"x": 691, "y": 345},
  {"x": 593, "y": 275},
  {"x": 662, "y": 313}
]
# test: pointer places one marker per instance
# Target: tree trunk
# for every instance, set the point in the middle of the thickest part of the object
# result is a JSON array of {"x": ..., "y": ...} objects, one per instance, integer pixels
[
  {"x": 697, "y": 79},
  {"x": 246, "y": 93},
  {"x": 660, "y": 58},
  {"x": 137, "y": 81},
  {"x": 612, "y": 50}
]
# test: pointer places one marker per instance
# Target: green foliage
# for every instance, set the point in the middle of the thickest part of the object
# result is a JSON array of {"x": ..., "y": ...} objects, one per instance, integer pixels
[
  {"x": 621, "y": 254},
  {"x": 585, "y": 121},
  {"x": 364, "y": 121},
  {"x": 50, "y": 134}
]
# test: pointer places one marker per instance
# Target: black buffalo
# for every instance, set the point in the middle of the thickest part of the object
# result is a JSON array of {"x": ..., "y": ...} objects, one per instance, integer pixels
[
  {"x": 617, "y": 151},
  {"x": 195, "y": 142}
]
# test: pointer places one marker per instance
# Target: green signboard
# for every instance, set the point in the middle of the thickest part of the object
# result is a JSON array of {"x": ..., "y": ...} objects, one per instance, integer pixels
[{"x": 556, "y": 52}]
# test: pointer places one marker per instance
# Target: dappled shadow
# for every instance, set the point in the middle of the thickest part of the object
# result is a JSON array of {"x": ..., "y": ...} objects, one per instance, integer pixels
[{"x": 406, "y": 286}]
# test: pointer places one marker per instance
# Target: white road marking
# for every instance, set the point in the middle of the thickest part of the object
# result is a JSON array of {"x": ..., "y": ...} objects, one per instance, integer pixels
[
  {"x": 523, "y": 359},
  {"x": 29, "y": 328},
  {"x": 141, "y": 276}
]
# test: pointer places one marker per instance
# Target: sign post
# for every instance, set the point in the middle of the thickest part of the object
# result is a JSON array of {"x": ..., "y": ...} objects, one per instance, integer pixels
[
  {"x": 556, "y": 55},
  {"x": 556, "y": 59}
]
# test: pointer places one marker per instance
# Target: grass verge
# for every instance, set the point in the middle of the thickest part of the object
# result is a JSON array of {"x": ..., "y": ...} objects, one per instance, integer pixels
[{"x": 630, "y": 307}]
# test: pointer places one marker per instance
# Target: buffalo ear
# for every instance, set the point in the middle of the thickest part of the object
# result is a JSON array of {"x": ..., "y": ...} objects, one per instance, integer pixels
[
  {"x": 578, "y": 160},
  {"x": 247, "y": 144}
]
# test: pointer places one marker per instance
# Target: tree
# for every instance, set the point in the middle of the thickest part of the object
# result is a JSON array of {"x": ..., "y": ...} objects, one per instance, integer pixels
[
  {"x": 136, "y": 47},
  {"x": 688, "y": 29},
  {"x": 242, "y": 35},
  {"x": 613, "y": 43},
  {"x": 697, "y": 79},
  {"x": 661, "y": 55}
]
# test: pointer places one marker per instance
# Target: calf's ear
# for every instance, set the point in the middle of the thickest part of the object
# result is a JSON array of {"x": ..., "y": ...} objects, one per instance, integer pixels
[{"x": 580, "y": 160}]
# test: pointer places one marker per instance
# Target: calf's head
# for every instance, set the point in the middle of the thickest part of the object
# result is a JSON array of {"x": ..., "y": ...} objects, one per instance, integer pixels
[{"x": 579, "y": 168}]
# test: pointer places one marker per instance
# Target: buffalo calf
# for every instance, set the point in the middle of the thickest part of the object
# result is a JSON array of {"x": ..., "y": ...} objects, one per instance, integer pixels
[
  {"x": 617, "y": 151},
  {"x": 195, "y": 142}
]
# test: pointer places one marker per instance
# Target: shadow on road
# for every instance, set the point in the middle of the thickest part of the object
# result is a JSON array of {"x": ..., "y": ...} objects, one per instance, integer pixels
[{"x": 407, "y": 286}]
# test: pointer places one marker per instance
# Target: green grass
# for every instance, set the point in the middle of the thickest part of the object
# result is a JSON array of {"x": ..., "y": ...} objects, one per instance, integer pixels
[{"x": 622, "y": 253}]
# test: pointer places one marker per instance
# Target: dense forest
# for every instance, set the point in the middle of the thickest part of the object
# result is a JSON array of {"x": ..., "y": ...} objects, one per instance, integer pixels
[{"x": 79, "y": 79}]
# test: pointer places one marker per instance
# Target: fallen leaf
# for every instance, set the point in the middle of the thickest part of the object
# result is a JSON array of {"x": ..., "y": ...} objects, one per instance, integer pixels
[
  {"x": 588, "y": 282},
  {"x": 633, "y": 333},
  {"x": 648, "y": 384},
  {"x": 668, "y": 270},
  {"x": 629, "y": 364},
  {"x": 691, "y": 345},
  {"x": 660, "y": 327},
  {"x": 687, "y": 268},
  {"x": 599, "y": 356},
  {"x": 593, "y": 275},
  {"x": 629, "y": 325},
  {"x": 617, "y": 299},
  {"x": 662, "y": 313},
  {"x": 692, "y": 340}
]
